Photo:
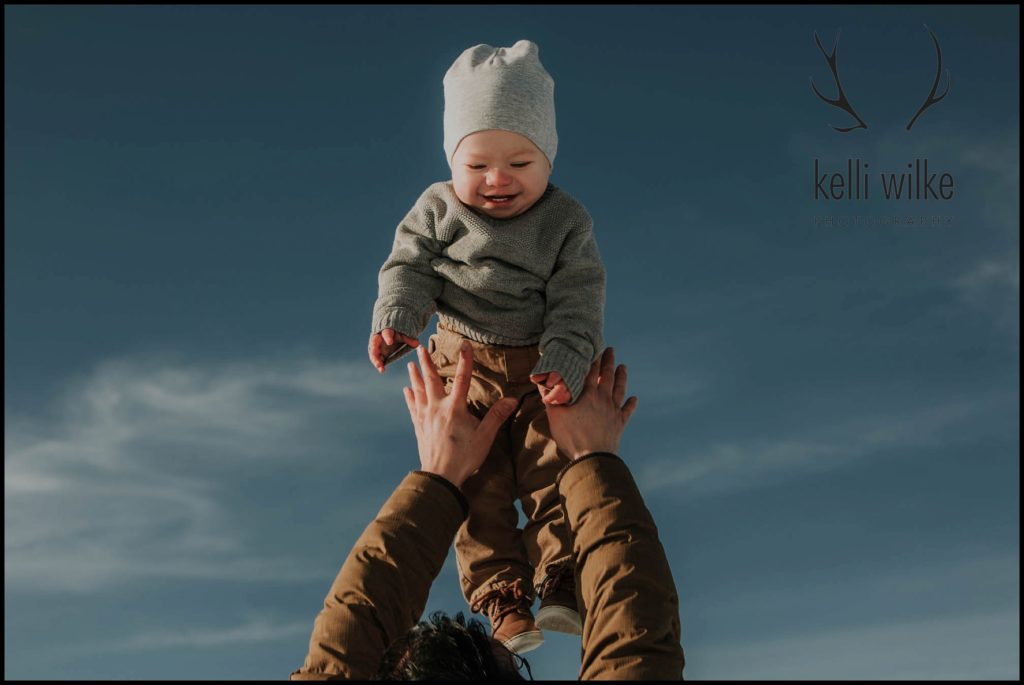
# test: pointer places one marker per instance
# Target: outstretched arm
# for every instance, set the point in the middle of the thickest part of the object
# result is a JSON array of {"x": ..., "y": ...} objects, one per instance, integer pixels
[
  {"x": 382, "y": 588},
  {"x": 573, "y": 319},
  {"x": 631, "y": 622},
  {"x": 408, "y": 286}
]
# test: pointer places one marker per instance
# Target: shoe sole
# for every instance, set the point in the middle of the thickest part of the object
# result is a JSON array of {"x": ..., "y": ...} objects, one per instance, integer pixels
[
  {"x": 559, "y": 619},
  {"x": 524, "y": 642}
]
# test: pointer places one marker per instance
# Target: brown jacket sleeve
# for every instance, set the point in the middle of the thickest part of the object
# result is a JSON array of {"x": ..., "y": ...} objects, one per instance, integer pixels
[
  {"x": 630, "y": 607},
  {"x": 382, "y": 588}
]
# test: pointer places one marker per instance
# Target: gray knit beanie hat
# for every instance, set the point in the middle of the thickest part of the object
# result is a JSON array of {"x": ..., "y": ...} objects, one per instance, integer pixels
[{"x": 500, "y": 88}]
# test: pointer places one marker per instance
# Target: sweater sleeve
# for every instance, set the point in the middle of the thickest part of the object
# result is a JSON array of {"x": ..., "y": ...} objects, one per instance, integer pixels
[
  {"x": 574, "y": 314},
  {"x": 408, "y": 285},
  {"x": 631, "y": 627},
  {"x": 382, "y": 588}
]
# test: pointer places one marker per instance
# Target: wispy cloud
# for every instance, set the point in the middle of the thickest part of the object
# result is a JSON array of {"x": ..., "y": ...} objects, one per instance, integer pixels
[
  {"x": 992, "y": 283},
  {"x": 986, "y": 647},
  {"x": 131, "y": 474},
  {"x": 998, "y": 155},
  {"x": 993, "y": 286},
  {"x": 252, "y": 632},
  {"x": 891, "y": 618},
  {"x": 727, "y": 466},
  {"x": 996, "y": 273}
]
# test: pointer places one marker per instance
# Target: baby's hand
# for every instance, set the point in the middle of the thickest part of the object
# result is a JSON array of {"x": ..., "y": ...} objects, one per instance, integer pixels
[
  {"x": 384, "y": 343},
  {"x": 553, "y": 389}
]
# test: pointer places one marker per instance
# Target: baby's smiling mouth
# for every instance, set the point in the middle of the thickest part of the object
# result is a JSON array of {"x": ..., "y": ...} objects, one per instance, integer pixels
[{"x": 499, "y": 199}]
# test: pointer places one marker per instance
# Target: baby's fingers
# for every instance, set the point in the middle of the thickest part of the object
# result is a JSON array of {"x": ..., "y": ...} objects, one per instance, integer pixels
[
  {"x": 557, "y": 395},
  {"x": 374, "y": 350}
]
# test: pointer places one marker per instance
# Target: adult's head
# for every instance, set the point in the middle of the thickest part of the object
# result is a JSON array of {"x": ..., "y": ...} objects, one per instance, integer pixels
[{"x": 446, "y": 648}]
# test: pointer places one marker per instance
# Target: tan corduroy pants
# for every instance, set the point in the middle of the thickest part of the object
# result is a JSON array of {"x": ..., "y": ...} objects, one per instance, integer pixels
[{"x": 523, "y": 464}]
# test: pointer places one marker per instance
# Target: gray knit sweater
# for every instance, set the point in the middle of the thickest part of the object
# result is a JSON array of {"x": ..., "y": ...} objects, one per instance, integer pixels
[{"x": 535, "y": 278}]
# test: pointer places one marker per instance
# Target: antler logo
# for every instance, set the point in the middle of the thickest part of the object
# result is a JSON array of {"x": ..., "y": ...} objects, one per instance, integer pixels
[{"x": 843, "y": 103}]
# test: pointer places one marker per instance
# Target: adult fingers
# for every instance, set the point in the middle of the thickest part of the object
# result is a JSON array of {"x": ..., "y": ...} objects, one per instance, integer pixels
[
  {"x": 463, "y": 373},
  {"x": 434, "y": 384},
  {"x": 410, "y": 402},
  {"x": 619, "y": 388},
  {"x": 628, "y": 410},
  {"x": 607, "y": 369},
  {"x": 590, "y": 382},
  {"x": 416, "y": 381},
  {"x": 496, "y": 415},
  {"x": 388, "y": 335},
  {"x": 411, "y": 342}
]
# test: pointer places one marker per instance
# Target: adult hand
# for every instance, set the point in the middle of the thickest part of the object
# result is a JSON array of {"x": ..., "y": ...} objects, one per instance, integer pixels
[
  {"x": 384, "y": 343},
  {"x": 596, "y": 421},
  {"x": 452, "y": 442}
]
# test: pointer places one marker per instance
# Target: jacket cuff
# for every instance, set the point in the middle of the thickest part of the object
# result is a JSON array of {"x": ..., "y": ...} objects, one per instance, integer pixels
[
  {"x": 585, "y": 457},
  {"x": 573, "y": 368},
  {"x": 463, "y": 502},
  {"x": 404, "y": 321}
]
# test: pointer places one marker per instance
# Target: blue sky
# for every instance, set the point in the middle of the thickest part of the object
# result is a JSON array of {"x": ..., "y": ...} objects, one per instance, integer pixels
[{"x": 198, "y": 199}]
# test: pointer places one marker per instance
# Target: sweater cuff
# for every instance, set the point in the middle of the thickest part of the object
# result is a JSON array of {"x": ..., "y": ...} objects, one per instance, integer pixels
[
  {"x": 573, "y": 368},
  {"x": 404, "y": 321},
  {"x": 463, "y": 502}
]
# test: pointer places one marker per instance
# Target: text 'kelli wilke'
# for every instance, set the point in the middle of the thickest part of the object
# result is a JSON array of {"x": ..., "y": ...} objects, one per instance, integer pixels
[{"x": 916, "y": 184}]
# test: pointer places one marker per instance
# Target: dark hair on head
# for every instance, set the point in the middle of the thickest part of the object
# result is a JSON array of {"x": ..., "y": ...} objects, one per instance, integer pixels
[{"x": 446, "y": 648}]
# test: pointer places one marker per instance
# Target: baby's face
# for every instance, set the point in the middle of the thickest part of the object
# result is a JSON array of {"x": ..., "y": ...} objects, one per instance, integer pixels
[{"x": 500, "y": 173}]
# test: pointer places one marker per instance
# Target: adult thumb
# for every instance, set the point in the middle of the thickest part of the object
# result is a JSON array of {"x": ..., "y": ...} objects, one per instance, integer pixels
[{"x": 496, "y": 415}]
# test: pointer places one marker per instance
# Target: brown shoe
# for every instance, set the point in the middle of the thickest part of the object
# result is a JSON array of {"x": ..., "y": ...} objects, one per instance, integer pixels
[
  {"x": 558, "y": 608},
  {"x": 507, "y": 606}
]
